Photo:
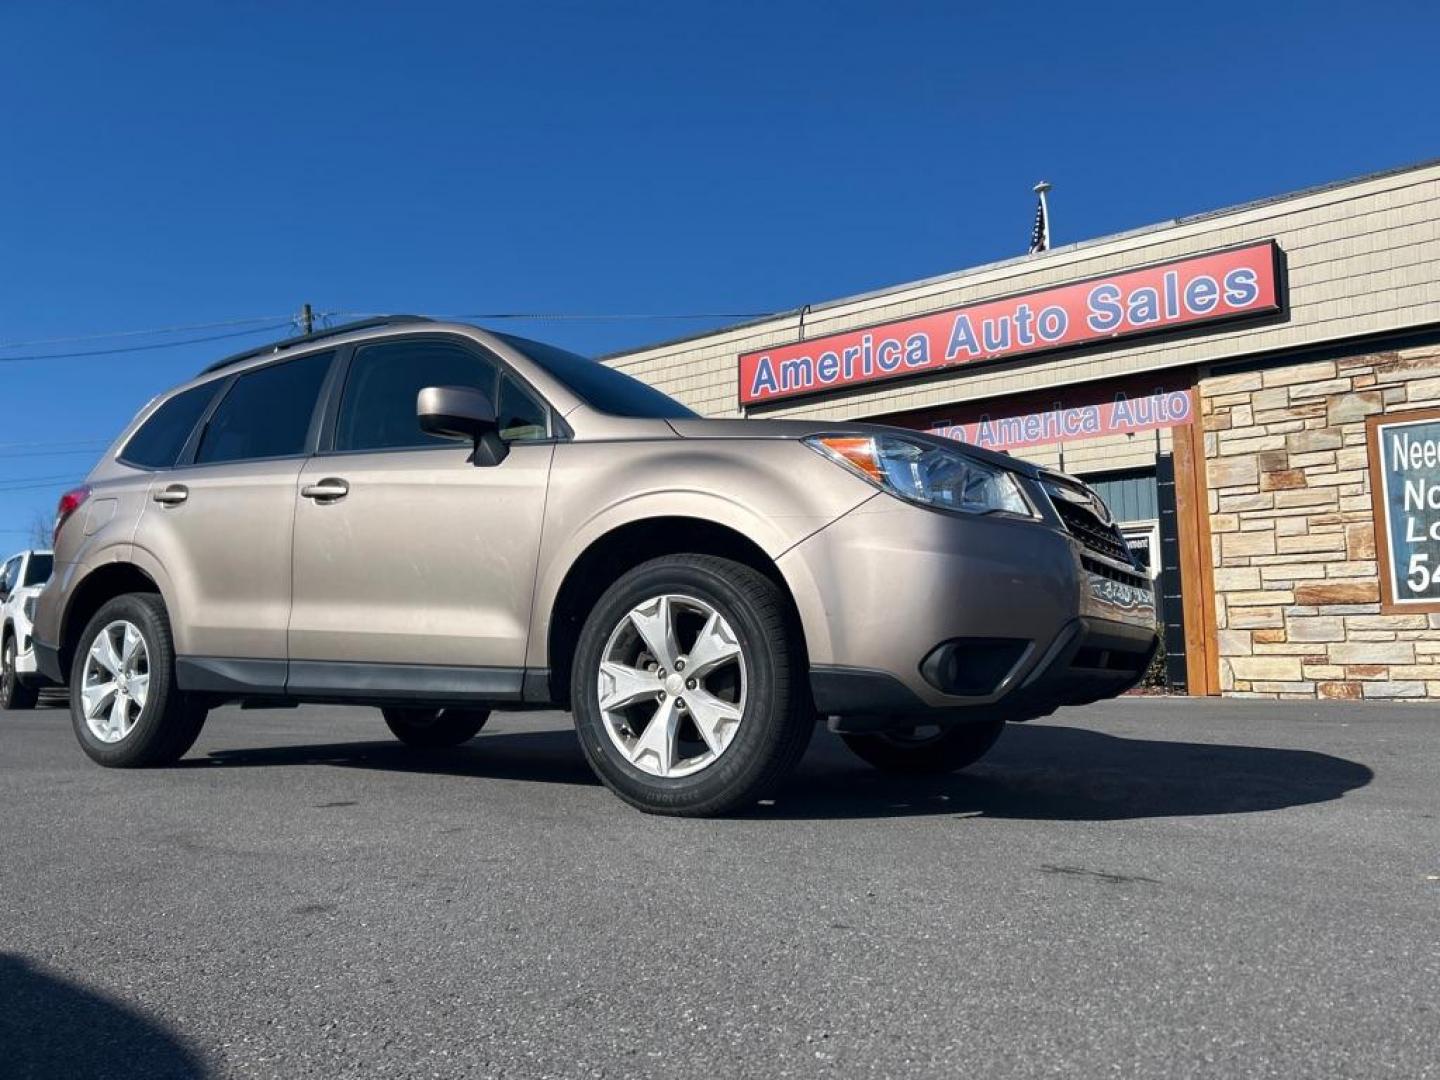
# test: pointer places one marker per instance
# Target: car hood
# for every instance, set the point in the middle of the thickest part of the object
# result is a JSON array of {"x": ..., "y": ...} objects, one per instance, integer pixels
[{"x": 700, "y": 428}]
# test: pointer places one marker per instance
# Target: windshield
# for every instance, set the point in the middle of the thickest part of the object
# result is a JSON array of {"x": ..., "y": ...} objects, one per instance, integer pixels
[
  {"x": 37, "y": 571},
  {"x": 602, "y": 387}
]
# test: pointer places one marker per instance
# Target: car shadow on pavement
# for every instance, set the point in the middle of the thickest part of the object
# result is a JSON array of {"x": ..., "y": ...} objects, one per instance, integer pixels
[
  {"x": 1036, "y": 771},
  {"x": 546, "y": 757},
  {"x": 1048, "y": 772},
  {"x": 51, "y": 1028}
]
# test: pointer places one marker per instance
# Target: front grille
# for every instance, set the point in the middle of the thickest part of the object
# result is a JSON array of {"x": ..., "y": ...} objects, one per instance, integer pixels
[
  {"x": 1114, "y": 573},
  {"x": 1086, "y": 526}
]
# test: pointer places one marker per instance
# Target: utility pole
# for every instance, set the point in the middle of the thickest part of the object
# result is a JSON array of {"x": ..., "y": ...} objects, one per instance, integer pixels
[{"x": 307, "y": 320}]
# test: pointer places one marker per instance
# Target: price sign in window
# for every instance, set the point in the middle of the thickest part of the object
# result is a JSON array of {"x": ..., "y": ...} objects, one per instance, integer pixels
[{"x": 1405, "y": 484}]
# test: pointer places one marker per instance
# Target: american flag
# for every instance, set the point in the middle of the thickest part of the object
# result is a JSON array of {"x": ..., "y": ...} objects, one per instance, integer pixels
[{"x": 1040, "y": 235}]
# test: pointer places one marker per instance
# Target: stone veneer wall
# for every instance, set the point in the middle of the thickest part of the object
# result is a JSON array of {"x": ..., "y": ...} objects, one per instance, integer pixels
[{"x": 1296, "y": 581}]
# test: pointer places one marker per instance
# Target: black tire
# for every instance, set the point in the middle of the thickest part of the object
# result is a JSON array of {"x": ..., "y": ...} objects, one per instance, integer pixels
[
  {"x": 951, "y": 749},
  {"x": 14, "y": 694},
  {"x": 435, "y": 729},
  {"x": 170, "y": 721},
  {"x": 777, "y": 721}
]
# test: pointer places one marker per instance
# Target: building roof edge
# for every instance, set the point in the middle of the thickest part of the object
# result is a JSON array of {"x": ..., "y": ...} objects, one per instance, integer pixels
[{"x": 1019, "y": 260}]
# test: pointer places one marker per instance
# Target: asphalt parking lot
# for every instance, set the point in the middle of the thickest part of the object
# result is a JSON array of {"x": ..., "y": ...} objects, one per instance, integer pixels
[{"x": 1145, "y": 888}]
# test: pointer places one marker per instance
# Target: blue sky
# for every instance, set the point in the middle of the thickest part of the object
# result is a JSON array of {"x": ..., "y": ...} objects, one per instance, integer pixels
[{"x": 190, "y": 163}]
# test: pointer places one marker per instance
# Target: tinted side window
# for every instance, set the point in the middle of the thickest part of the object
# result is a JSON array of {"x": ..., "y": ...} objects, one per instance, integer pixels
[
  {"x": 158, "y": 442},
  {"x": 266, "y": 413},
  {"x": 37, "y": 570},
  {"x": 521, "y": 416},
  {"x": 608, "y": 390},
  {"x": 11, "y": 573},
  {"x": 377, "y": 410}
]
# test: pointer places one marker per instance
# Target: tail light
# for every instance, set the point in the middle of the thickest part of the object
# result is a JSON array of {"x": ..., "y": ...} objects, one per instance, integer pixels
[{"x": 71, "y": 501}]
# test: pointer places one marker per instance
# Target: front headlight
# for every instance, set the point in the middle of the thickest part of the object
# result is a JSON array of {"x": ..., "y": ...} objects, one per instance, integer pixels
[{"x": 947, "y": 479}]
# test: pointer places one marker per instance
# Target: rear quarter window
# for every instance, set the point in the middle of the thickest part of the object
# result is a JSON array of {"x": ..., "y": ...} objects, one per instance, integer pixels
[{"x": 159, "y": 440}]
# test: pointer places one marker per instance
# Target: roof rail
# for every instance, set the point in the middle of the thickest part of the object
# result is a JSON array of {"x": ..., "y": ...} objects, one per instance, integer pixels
[{"x": 305, "y": 339}]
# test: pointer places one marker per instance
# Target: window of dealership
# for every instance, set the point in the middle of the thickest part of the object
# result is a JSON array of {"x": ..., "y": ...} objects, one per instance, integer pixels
[{"x": 1255, "y": 391}]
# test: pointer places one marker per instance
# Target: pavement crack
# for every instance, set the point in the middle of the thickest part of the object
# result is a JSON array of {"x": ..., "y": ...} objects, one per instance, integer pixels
[{"x": 1099, "y": 875}]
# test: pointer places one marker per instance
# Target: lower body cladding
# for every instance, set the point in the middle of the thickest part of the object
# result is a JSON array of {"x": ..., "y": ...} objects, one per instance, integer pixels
[{"x": 914, "y": 616}]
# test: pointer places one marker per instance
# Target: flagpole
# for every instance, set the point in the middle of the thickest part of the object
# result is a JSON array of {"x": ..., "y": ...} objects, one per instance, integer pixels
[{"x": 1040, "y": 189}]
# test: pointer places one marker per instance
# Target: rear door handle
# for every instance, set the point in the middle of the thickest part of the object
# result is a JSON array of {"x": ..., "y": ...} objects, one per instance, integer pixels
[
  {"x": 173, "y": 495},
  {"x": 329, "y": 490}
]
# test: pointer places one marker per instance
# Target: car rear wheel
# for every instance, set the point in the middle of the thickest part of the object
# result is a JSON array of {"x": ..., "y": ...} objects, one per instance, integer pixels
[
  {"x": 688, "y": 687},
  {"x": 926, "y": 749},
  {"x": 13, "y": 693},
  {"x": 125, "y": 706},
  {"x": 435, "y": 729}
]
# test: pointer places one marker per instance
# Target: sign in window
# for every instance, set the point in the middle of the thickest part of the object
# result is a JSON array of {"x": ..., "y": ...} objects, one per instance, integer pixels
[{"x": 1405, "y": 482}]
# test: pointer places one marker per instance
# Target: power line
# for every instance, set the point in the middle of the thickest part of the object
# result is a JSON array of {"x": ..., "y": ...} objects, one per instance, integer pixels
[
  {"x": 289, "y": 321},
  {"x": 99, "y": 336},
  {"x": 144, "y": 348},
  {"x": 7, "y": 480},
  {"x": 566, "y": 316},
  {"x": 36, "y": 482},
  {"x": 52, "y": 453},
  {"x": 51, "y": 442}
]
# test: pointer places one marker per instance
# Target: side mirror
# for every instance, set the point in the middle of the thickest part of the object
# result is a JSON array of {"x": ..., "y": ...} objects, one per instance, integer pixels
[{"x": 461, "y": 412}]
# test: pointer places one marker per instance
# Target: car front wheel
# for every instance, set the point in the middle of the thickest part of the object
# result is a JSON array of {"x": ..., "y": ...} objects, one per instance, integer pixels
[
  {"x": 926, "y": 750},
  {"x": 688, "y": 687},
  {"x": 124, "y": 704}
]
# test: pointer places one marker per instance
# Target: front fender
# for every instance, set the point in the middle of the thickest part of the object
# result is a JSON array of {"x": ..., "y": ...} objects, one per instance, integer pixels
[{"x": 773, "y": 492}]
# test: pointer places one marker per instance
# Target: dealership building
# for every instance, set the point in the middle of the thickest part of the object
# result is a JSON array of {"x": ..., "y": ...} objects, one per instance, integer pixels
[{"x": 1255, "y": 391}]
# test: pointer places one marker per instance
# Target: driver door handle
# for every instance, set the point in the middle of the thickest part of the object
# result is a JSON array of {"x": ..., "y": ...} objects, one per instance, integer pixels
[
  {"x": 331, "y": 489},
  {"x": 173, "y": 495}
]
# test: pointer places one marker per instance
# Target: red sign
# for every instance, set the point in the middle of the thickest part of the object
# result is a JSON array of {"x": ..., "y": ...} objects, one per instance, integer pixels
[
  {"x": 1080, "y": 412},
  {"x": 1202, "y": 289}
]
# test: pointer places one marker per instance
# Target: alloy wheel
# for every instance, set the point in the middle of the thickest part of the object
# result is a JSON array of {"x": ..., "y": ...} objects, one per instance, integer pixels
[
  {"x": 672, "y": 685},
  {"x": 116, "y": 682}
]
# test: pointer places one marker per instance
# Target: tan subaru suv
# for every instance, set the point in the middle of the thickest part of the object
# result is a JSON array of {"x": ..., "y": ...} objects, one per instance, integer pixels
[{"x": 439, "y": 520}]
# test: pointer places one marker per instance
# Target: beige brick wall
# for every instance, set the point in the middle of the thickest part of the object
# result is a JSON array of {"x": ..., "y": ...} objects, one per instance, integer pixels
[
  {"x": 1362, "y": 258},
  {"x": 1297, "y": 586}
]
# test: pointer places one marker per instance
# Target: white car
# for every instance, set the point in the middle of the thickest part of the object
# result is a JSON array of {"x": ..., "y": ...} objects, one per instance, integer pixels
[{"x": 21, "y": 580}]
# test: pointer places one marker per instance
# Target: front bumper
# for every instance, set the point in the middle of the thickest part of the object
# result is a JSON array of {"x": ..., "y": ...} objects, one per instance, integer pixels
[{"x": 913, "y": 613}]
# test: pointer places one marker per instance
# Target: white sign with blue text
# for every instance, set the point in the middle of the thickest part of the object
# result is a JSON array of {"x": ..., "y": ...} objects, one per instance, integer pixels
[{"x": 1405, "y": 459}]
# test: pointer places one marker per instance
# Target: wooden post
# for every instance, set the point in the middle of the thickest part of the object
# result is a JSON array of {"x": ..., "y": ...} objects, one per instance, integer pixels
[{"x": 1197, "y": 559}]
